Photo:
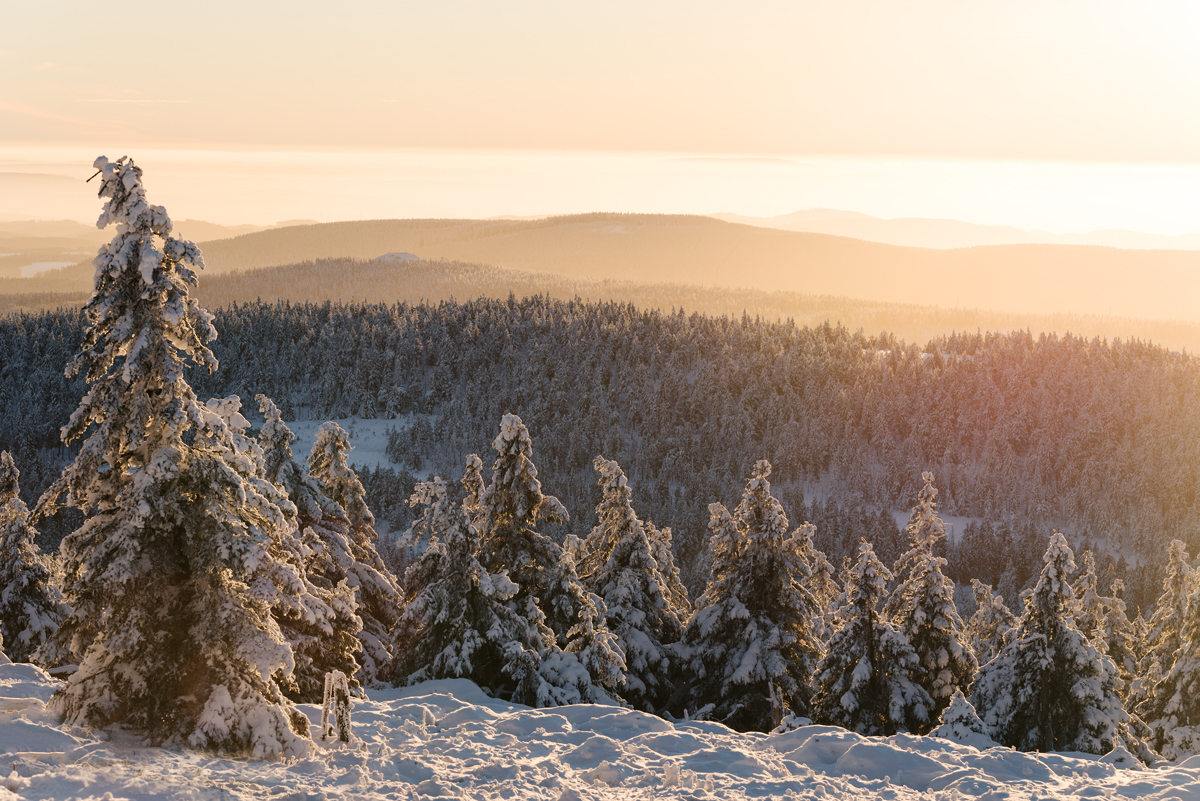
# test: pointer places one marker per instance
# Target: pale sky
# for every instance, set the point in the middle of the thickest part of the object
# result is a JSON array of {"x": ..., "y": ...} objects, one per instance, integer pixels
[{"x": 1086, "y": 82}]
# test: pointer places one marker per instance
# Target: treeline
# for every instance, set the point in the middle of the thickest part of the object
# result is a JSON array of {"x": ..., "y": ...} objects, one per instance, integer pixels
[
  {"x": 350, "y": 280},
  {"x": 1100, "y": 439}
]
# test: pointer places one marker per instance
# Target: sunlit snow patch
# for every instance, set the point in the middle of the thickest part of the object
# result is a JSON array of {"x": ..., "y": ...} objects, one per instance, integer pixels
[{"x": 447, "y": 739}]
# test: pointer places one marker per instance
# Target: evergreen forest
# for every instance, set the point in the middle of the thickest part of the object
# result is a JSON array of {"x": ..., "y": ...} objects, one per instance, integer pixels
[{"x": 1100, "y": 439}]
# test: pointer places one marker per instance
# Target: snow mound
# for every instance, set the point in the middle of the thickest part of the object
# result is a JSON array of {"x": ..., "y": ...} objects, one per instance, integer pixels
[
  {"x": 448, "y": 739},
  {"x": 396, "y": 258}
]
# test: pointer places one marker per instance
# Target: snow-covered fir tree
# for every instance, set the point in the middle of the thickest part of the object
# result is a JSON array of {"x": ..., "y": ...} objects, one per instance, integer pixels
[
  {"x": 31, "y": 604},
  {"x": 1173, "y": 704},
  {"x": 549, "y": 592},
  {"x": 1119, "y": 637},
  {"x": 472, "y": 484},
  {"x": 991, "y": 623},
  {"x": 923, "y": 608},
  {"x": 752, "y": 627},
  {"x": 924, "y": 529},
  {"x": 619, "y": 566},
  {"x": 317, "y": 609},
  {"x": 662, "y": 549},
  {"x": 1050, "y": 689},
  {"x": 959, "y": 722},
  {"x": 456, "y": 621},
  {"x": 823, "y": 584},
  {"x": 172, "y": 531},
  {"x": 1165, "y": 630},
  {"x": 1089, "y": 604},
  {"x": 866, "y": 682},
  {"x": 378, "y": 592}
]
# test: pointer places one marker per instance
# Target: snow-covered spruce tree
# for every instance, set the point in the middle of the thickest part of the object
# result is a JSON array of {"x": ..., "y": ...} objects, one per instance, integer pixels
[
  {"x": 549, "y": 593},
  {"x": 959, "y": 722},
  {"x": 456, "y": 621},
  {"x": 1173, "y": 705},
  {"x": 663, "y": 551},
  {"x": 865, "y": 681},
  {"x": 619, "y": 566},
  {"x": 753, "y": 625},
  {"x": 823, "y": 584},
  {"x": 1164, "y": 638},
  {"x": 991, "y": 624},
  {"x": 317, "y": 617},
  {"x": 173, "y": 642},
  {"x": 923, "y": 608},
  {"x": 31, "y": 605},
  {"x": 378, "y": 593},
  {"x": 1089, "y": 604},
  {"x": 1050, "y": 689},
  {"x": 1119, "y": 637}
]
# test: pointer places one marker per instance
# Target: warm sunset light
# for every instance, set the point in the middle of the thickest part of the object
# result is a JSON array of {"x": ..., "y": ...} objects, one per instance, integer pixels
[{"x": 572, "y": 402}]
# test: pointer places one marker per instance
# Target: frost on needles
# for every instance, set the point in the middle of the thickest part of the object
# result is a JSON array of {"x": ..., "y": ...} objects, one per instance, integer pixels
[{"x": 173, "y": 642}]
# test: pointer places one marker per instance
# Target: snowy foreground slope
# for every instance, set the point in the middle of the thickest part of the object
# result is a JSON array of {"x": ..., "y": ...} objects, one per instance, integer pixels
[{"x": 447, "y": 739}]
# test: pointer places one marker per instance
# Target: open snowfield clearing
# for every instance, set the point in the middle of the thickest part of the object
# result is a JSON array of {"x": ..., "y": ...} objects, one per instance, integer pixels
[
  {"x": 367, "y": 437},
  {"x": 447, "y": 739},
  {"x": 30, "y": 270}
]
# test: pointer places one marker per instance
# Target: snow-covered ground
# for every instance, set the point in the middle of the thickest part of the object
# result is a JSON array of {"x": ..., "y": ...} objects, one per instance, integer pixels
[
  {"x": 446, "y": 739},
  {"x": 30, "y": 270},
  {"x": 368, "y": 437}
]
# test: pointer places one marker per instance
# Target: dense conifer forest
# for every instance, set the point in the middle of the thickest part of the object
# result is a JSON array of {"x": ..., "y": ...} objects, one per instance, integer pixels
[{"x": 1101, "y": 439}]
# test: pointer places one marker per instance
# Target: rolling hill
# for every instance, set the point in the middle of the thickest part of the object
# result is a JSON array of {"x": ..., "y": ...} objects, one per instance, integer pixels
[
  {"x": 1041, "y": 279},
  {"x": 923, "y": 232}
]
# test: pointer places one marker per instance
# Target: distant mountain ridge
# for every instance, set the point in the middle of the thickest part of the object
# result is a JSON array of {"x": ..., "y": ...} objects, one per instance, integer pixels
[
  {"x": 922, "y": 232},
  {"x": 1026, "y": 279}
]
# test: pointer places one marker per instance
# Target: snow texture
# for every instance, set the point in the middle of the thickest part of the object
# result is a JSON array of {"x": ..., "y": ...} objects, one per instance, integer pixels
[{"x": 447, "y": 739}]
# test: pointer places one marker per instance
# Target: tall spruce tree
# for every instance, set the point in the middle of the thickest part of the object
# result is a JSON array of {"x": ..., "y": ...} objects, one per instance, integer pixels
[
  {"x": 456, "y": 622},
  {"x": 1050, "y": 689},
  {"x": 378, "y": 592},
  {"x": 752, "y": 627},
  {"x": 31, "y": 604},
  {"x": 991, "y": 624},
  {"x": 319, "y": 616},
  {"x": 663, "y": 551},
  {"x": 822, "y": 583},
  {"x": 172, "y": 531},
  {"x": 619, "y": 566},
  {"x": 1164, "y": 637},
  {"x": 923, "y": 608},
  {"x": 1119, "y": 637},
  {"x": 570, "y": 619},
  {"x": 865, "y": 682},
  {"x": 1089, "y": 604},
  {"x": 1173, "y": 705}
]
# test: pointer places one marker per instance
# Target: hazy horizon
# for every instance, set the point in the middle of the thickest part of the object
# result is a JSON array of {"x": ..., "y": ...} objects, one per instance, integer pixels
[{"x": 264, "y": 187}]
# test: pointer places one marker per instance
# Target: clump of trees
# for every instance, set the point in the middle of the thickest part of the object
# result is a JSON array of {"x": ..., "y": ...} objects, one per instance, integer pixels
[{"x": 181, "y": 521}]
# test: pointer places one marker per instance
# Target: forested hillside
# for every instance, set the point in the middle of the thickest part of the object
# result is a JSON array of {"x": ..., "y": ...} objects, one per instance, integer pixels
[
  {"x": 1101, "y": 439},
  {"x": 702, "y": 251},
  {"x": 375, "y": 281}
]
